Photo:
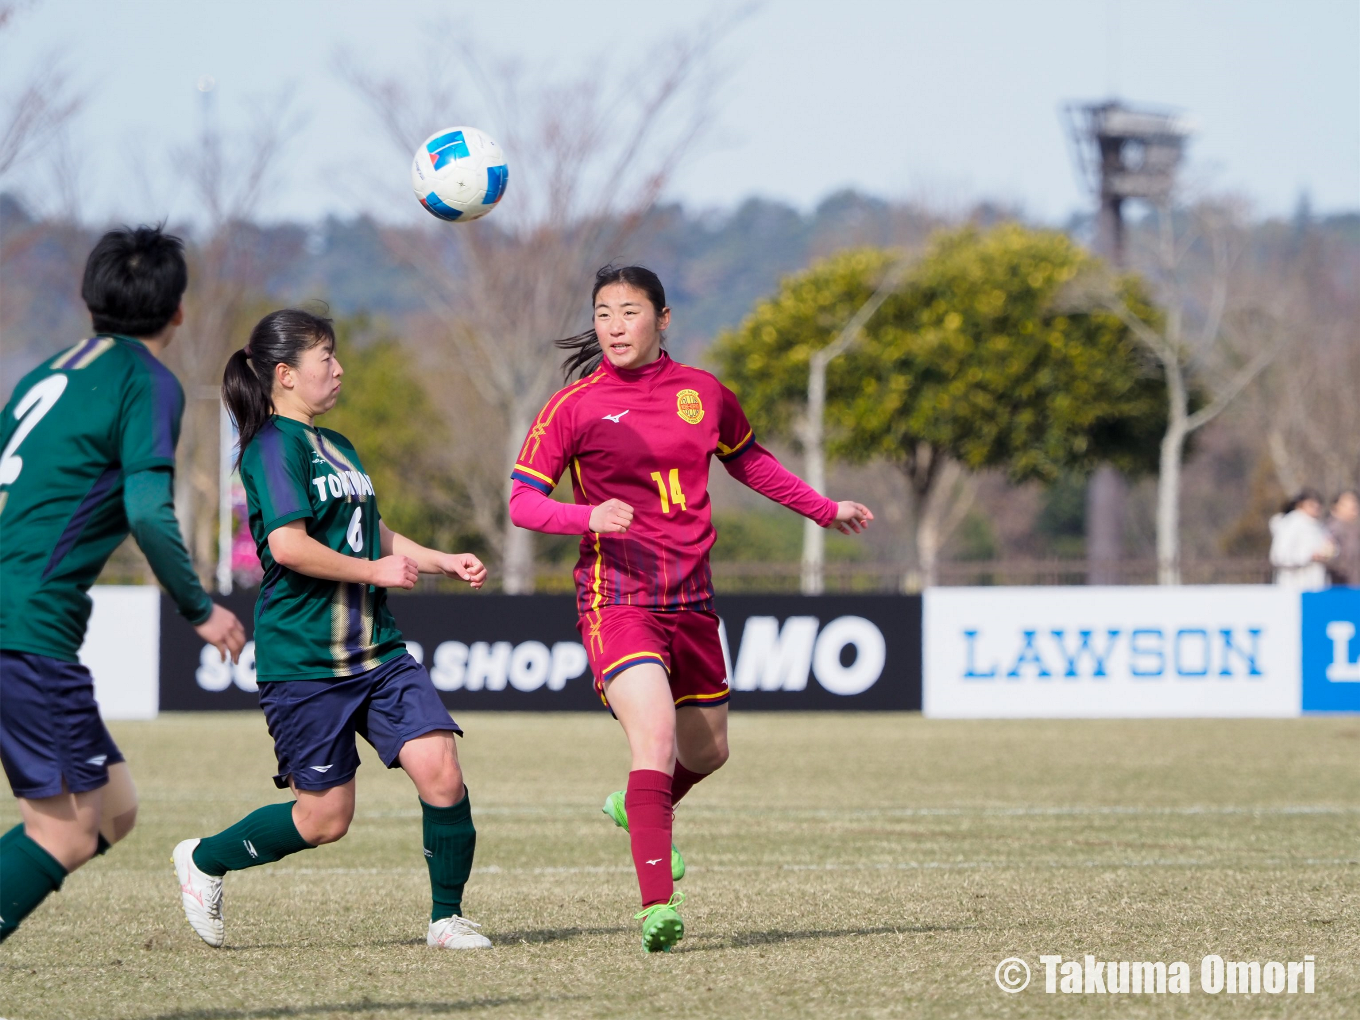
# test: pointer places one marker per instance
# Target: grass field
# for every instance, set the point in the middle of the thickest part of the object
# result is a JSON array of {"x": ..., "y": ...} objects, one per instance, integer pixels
[{"x": 840, "y": 866}]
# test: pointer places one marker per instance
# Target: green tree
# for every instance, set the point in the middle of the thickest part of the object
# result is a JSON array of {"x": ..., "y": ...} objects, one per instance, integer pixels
[
  {"x": 973, "y": 362},
  {"x": 385, "y": 409}
]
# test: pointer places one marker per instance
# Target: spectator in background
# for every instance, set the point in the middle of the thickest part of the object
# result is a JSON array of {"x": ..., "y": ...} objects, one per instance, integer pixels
[
  {"x": 1344, "y": 527},
  {"x": 1300, "y": 545}
]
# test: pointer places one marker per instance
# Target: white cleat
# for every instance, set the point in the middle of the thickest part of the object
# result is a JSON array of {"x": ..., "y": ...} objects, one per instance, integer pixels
[
  {"x": 456, "y": 933},
  {"x": 201, "y": 895}
]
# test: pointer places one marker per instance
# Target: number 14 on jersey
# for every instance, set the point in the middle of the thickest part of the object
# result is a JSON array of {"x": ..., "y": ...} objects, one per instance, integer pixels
[{"x": 676, "y": 496}]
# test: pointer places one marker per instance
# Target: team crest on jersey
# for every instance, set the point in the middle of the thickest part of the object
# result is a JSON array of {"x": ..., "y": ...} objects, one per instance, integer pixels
[{"x": 689, "y": 406}]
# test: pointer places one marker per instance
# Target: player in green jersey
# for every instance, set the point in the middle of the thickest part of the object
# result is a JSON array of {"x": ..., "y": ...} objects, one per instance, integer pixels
[
  {"x": 88, "y": 441},
  {"x": 329, "y": 658}
]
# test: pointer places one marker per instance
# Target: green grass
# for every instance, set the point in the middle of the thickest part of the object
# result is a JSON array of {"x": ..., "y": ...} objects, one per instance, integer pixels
[{"x": 840, "y": 866}]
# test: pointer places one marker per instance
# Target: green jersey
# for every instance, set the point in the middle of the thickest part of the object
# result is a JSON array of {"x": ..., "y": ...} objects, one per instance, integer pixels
[
  {"x": 307, "y": 628},
  {"x": 74, "y": 429}
]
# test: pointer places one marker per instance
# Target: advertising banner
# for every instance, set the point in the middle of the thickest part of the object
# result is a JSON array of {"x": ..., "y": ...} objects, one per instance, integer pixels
[
  {"x": 1194, "y": 651},
  {"x": 523, "y": 653},
  {"x": 1331, "y": 650},
  {"x": 120, "y": 649}
]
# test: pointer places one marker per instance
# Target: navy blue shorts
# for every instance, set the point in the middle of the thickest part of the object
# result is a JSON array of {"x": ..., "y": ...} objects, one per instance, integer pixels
[
  {"x": 51, "y": 736},
  {"x": 313, "y": 722}
]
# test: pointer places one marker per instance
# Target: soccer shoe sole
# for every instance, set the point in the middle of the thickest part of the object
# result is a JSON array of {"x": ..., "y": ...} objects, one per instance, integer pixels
[
  {"x": 659, "y": 935},
  {"x": 210, "y": 929}
]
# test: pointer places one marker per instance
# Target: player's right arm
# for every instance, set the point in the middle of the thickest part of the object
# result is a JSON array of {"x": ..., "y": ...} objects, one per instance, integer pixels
[
  {"x": 292, "y": 547},
  {"x": 545, "y": 454},
  {"x": 150, "y": 429},
  {"x": 274, "y": 469}
]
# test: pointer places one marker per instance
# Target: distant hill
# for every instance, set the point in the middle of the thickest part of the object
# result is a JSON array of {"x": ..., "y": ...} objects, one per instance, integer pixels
[{"x": 715, "y": 265}]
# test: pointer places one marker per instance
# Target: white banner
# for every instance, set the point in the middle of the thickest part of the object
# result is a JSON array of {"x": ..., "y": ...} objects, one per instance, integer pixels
[
  {"x": 1088, "y": 652},
  {"x": 122, "y": 650}
]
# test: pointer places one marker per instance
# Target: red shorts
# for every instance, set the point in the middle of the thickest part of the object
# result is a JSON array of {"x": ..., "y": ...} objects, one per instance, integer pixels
[{"x": 684, "y": 643}]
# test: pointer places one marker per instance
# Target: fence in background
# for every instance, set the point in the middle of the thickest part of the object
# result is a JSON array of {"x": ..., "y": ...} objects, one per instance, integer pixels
[{"x": 855, "y": 577}]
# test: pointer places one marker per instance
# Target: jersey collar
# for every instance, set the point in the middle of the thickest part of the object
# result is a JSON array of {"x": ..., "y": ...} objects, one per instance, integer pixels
[
  {"x": 647, "y": 373},
  {"x": 125, "y": 338},
  {"x": 283, "y": 419}
]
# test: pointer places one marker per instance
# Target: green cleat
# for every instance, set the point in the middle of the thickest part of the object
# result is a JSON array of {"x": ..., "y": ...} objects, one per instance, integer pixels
[
  {"x": 613, "y": 807},
  {"x": 661, "y": 925}
]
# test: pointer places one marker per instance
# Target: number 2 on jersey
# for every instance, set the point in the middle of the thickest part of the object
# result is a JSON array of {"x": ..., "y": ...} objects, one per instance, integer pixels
[
  {"x": 676, "y": 495},
  {"x": 29, "y": 411}
]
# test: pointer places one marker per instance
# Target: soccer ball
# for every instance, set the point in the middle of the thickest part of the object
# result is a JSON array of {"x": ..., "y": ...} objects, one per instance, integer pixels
[{"x": 459, "y": 173}]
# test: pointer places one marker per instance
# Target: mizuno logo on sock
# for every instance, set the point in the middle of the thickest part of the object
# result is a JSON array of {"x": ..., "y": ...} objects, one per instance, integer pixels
[
  {"x": 250, "y": 848},
  {"x": 321, "y": 768},
  {"x": 98, "y": 759},
  {"x": 428, "y": 852},
  {"x": 657, "y": 861}
]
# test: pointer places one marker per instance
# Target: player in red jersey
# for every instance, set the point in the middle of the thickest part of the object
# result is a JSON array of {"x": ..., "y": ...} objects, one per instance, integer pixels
[{"x": 637, "y": 432}]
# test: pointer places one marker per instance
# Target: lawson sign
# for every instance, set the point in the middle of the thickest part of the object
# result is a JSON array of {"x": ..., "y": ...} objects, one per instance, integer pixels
[{"x": 1220, "y": 650}]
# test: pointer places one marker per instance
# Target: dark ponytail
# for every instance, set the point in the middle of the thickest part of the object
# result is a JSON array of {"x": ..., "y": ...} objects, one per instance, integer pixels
[
  {"x": 586, "y": 346},
  {"x": 248, "y": 383}
]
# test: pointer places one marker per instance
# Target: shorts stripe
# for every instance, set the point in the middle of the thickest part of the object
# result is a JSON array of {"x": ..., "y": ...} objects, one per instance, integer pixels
[
  {"x": 713, "y": 698},
  {"x": 609, "y": 672}
]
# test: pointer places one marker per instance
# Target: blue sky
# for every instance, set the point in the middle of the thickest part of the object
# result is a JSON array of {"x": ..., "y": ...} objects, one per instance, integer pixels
[{"x": 947, "y": 101}]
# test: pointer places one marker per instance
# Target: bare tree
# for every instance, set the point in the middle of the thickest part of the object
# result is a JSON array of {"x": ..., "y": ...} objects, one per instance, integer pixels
[
  {"x": 229, "y": 179},
  {"x": 1218, "y": 334},
  {"x": 37, "y": 113},
  {"x": 1305, "y": 407},
  {"x": 812, "y": 431},
  {"x": 588, "y": 160}
]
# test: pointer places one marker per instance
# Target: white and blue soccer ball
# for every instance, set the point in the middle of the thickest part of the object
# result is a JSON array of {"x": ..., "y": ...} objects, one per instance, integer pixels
[{"x": 459, "y": 173}]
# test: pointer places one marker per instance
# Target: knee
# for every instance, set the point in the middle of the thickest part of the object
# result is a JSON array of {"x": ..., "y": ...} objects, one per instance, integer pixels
[
  {"x": 326, "y": 830},
  {"x": 659, "y": 739},
  {"x": 325, "y": 824},
  {"x": 445, "y": 787},
  {"x": 79, "y": 850},
  {"x": 710, "y": 758}
]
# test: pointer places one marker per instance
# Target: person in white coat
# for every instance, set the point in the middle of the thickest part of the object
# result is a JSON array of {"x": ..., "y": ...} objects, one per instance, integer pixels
[{"x": 1300, "y": 545}]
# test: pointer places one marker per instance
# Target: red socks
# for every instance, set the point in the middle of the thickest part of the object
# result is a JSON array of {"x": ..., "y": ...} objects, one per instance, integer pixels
[
  {"x": 683, "y": 781},
  {"x": 650, "y": 810}
]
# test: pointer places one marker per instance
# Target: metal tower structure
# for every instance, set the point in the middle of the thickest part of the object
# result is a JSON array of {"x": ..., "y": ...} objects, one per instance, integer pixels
[{"x": 1122, "y": 153}]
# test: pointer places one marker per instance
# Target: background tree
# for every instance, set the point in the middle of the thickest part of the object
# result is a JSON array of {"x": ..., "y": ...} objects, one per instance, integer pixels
[
  {"x": 403, "y": 440},
  {"x": 1221, "y": 328},
  {"x": 587, "y": 163},
  {"x": 970, "y": 364},
  {"x": 229, "y": 177}
]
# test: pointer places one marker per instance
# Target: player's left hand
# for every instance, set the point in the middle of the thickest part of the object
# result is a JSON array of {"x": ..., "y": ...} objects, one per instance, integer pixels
[
  {"x": 466, "y": 566},
  {"x": 852, "y": 517}
]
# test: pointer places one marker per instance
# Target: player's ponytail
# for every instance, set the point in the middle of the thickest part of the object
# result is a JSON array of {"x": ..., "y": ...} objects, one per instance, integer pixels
[
  {"x": 585, "y": 347},
  {"x": 248, "y": 382}
]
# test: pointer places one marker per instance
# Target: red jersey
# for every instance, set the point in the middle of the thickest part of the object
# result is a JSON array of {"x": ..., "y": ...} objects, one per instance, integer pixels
[{"x": 644, "y": 436}]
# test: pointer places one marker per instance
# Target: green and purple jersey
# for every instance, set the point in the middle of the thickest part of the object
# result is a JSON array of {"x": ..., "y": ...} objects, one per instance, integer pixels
[
  {"x": 73, "y": 430},
  {"x": 307, "y": 628}
]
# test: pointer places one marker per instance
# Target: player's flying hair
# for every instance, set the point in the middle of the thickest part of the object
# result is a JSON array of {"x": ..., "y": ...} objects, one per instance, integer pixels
[
  {"x": 586, "y": 345},
  {"x": 280, "y": 338},
  {"x": 134, "y": 280}
]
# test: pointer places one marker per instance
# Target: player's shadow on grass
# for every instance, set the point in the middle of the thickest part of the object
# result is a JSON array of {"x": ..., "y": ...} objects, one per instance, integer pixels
[
  {"x": 542, "y": 936},
  {"x": 750, "y": 939},
  {"x": 531, "y": 936},
  {"x": 360, "y": 1009}
]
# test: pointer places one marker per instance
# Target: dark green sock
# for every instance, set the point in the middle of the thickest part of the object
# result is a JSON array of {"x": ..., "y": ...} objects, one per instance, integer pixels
[
  {"x": 28, "y": 873},
  {"x": 450, "y": 842},
  {"x": 261, "y": 837}
]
